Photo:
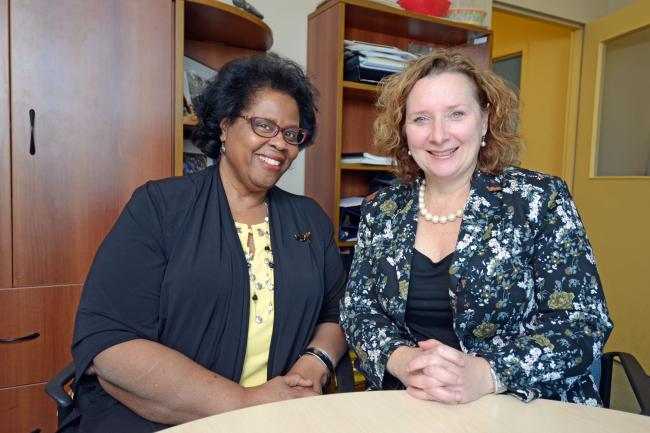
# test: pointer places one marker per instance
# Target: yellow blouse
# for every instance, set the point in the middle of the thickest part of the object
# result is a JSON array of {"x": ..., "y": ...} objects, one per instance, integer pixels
[{"x": 260, "y": 318}]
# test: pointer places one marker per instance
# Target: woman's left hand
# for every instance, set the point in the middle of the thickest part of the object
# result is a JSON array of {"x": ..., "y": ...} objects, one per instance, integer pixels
[
  {"x": 308, "y": 367},
  {"x": 444, "y": 374}
]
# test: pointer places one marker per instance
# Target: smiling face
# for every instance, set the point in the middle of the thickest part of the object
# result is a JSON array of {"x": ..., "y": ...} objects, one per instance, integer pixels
[
  {"x": 256, "y": 163},
  {"x": 444, "y": 125}
]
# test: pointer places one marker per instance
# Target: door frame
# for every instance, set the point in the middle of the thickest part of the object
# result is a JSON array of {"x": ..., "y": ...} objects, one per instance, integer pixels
[
  {"x": 597, "y": 105},
  {"x": 573, "y": 88}
]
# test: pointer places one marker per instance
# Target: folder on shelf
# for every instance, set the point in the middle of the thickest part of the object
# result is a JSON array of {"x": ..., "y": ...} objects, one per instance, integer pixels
[
  {"x": 368, "y": 48},
  {"x": 354, "y": 71},
  {"x": 368, "y": 62}
]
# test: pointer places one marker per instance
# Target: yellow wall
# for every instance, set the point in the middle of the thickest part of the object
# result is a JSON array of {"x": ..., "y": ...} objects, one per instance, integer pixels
[
  {"x": 546, "y": 50},
  {"x": 615, "y": 210}
]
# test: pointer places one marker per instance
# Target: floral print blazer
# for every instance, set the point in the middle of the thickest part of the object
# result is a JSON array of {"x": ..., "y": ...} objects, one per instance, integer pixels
[{"x": 523, "y": 285}]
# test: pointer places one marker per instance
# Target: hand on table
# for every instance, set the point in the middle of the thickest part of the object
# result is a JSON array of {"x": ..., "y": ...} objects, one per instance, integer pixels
[
  {"x": 442, "y": 373},
  {"x": 311, "y": 369},
  {"x": 280, "y": 388}
]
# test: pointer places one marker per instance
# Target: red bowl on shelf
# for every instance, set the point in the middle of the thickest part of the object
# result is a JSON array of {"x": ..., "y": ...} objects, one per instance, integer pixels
[{"x": 436, "y": 8}]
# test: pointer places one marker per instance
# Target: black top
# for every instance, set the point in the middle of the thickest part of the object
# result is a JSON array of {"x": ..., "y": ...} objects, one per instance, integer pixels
[
  {"x": 172, "y": 270},
  {"x": 428, "y": 308}
]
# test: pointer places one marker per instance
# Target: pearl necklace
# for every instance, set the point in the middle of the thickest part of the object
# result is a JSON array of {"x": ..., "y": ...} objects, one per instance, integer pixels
[{"x": 442, "y": 219}]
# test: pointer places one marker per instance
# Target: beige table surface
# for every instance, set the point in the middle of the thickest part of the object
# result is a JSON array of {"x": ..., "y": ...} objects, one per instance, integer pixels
[{"x": 397, "y": 412}]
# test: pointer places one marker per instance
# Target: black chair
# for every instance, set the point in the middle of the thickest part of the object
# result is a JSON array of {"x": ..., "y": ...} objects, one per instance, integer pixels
[
  {"x": 344, "y": 375},
  {"x": 639, "y": 380},
  {"x": 58, "y": 388}
]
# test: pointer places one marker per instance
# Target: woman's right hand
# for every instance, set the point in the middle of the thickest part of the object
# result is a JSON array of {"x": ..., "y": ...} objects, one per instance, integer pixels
[
  {"x": 448, "y": 375},
  {"x": 399, "y": 360},
  {"x": 279, "y": 388},
  {"x": 438, "y": 371}
]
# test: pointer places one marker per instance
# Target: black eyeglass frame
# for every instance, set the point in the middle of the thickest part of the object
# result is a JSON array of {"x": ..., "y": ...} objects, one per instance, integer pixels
[{"x": 279, "y": 129}]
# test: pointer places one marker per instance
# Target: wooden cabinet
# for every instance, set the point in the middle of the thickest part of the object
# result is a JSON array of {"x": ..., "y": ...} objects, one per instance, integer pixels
[
  {"x": 90, "y": 108},
  {"x": 39, "y": 319},
  {"x": 27, "y": 409},
  {"x": 93, "y": 74},
  {"x": 86, "y": 115},
  {"x": 212, "y": 33},
  {"x": 5, "y": 155},
  {"x": 346, "y": 109}
]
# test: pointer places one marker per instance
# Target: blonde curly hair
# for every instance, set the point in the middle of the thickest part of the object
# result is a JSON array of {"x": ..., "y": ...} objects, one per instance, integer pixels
[{"x": 492, "y": 93}]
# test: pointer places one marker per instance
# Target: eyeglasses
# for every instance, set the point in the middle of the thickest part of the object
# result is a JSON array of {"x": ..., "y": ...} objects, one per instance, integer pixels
[{"x": 268, "y": 129}]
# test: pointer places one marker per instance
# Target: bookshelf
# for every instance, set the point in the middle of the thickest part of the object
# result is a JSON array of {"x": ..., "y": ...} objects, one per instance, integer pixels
[
  {"x": 346, "y": 108},
  {"x": 213, "y": 33}
]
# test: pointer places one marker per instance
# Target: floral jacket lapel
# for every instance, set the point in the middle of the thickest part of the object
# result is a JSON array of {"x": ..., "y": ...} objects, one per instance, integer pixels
[
  {"x": 482, "y": 213},
  {"x": 402, "y": 224}
]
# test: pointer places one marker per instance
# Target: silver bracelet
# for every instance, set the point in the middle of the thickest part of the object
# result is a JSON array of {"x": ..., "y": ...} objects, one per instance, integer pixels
[
  {"x": 317, "y": 357},
  {"x": 323, "y": 357},
  {"x": 499, "y": 387}
]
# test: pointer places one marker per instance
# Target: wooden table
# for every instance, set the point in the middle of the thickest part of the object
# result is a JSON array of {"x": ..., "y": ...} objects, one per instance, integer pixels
[{"x": 397, "y": 412}]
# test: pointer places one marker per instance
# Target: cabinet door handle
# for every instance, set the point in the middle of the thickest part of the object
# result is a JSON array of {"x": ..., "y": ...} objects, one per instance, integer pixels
[
  {"x": 32, "y": 144},
  {"x": 32, "y": 336}
]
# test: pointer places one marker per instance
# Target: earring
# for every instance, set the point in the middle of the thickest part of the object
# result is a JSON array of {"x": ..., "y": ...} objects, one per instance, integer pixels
[
  {"x": 222, "y": 149},
  {"x": 409, "y": 153},
  {"x": 483, "y": 143}
]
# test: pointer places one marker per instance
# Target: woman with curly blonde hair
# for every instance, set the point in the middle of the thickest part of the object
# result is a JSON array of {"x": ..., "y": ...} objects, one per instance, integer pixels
[
  {"x": 493, "y": 95},
  {"x": 471, "y": 276}
]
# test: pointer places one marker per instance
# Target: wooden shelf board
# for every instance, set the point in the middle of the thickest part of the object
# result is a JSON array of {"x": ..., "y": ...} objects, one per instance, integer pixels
[
  {"x": 210, "y": 20},
  {"x": 372, "y": 88},
  {"x": 345, "y": 243},
  {"x": 366, "y": 167},
  {"x": 384, "y": 19},
  {"x": 364, "y": 91}
]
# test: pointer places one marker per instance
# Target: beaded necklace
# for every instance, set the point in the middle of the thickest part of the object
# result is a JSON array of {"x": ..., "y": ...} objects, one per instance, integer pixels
[{"x": 259, "y": 282}]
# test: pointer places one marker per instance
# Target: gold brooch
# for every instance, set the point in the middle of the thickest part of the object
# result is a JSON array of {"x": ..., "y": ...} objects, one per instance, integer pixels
[{"x": 302, "y": 237}]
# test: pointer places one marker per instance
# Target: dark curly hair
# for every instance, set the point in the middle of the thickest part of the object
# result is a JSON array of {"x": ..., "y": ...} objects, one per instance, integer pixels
[
  {"x": 492, "y": 94},
  {"x": 236, "y": 85}
]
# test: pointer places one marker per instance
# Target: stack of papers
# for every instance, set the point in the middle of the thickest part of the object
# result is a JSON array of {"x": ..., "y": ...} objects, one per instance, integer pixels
[
  {"x": 378, "y": 57},
  {"x": 351, "y": 201},
  {"x": 366, "y": 158}
]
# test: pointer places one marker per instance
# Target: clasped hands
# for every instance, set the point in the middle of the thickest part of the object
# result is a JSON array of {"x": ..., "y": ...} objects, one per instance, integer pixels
[
  {"x": 306, "y": 378},
  {"x": 435, "y": 371}
]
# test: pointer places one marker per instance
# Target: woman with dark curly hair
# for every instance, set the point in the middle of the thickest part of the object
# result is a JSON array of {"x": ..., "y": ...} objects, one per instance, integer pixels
[
  {"x": 211, "y": 286},
  {"x": 471, "y": 276}
]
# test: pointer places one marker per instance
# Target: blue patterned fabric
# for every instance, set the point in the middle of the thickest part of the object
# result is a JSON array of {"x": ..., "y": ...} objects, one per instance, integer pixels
[{"x": 523, "y": 283}]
